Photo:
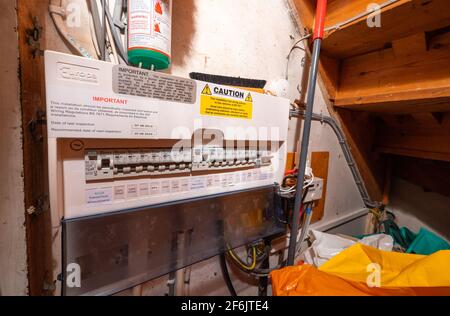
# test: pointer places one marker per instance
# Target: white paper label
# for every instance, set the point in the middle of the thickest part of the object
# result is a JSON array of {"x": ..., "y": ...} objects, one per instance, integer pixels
[{"x": 95, "y": 197}]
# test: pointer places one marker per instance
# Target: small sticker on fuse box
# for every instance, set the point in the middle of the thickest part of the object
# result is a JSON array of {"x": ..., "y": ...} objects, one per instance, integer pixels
[{"x": 96, "y": 197}]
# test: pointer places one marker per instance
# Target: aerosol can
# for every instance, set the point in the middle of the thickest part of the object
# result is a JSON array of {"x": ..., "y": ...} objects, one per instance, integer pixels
[{"x": 149, "y": 33}]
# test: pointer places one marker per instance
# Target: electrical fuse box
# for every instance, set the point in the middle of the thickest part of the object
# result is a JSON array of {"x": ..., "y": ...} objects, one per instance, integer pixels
[
  {"x": 115, "y": 143},
  {"x": 122, "y": 139}
]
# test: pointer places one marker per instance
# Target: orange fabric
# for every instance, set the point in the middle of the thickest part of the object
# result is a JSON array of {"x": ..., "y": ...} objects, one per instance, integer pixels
[{"x": 306, "y": 280}]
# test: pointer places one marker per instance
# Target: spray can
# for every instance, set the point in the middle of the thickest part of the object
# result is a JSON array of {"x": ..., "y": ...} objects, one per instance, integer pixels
[{"x": 149, "y": 33}]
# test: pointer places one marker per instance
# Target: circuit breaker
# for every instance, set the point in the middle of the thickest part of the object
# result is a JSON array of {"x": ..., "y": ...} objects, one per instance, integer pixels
[{"x": 153, "y": 169}]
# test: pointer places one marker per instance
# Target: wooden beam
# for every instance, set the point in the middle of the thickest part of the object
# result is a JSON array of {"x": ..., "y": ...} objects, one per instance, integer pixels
[
  {"x": 427, "y": 119},
  {"x": 360, "y": 130},
  {"x": 407, "y": 46},
  {"x": 416, "y": 141},
  {"x": 429, "y": 174},
  {"x": 403, "y": 19},
  {"x": 32, "y": 16},
  {"x": 377, "y": 104},
  {"x": 379, "y": 80}
]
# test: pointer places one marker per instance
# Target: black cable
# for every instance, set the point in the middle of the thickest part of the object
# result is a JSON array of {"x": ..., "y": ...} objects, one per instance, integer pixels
[
  {"x": 117, "y": 41},
  {"x": 226, "y": 275},
  {"x": 103, "y": 37}
]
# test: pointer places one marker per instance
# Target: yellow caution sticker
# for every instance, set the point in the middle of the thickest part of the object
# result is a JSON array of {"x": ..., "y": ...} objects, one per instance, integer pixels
[{"x": 226, "y": 102}]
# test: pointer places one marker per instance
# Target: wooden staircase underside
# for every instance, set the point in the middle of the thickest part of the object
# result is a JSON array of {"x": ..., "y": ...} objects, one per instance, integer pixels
[{"x": 389, "y": 87}]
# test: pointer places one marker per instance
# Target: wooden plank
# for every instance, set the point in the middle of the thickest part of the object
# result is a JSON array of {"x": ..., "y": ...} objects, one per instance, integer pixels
[
  {"x": 360, "y": 130},
  {"x": 410, "y": 45},
  {"x": 427, "y": 119},
  {"x": 320, "y": 163},
  {"x": 417, "y": 141},
  {"x": 290, "y": 161},
  {"x": 38, "y": 223},
  {"x": 405, "y": 18},
  {"x": 382, "y": 77},
  {"x": 385, "y": 104},
  {"x": 405, "y": 152},
  {"x": 430, "y": 174}
]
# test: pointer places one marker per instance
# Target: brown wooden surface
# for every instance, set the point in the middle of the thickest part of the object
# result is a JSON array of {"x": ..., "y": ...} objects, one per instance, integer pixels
[
  {"x": 320, "y": 163},
  {"x": 360, "y": 130},
  {"x": 389, "y": 87},
  {"x": 385, "y": 77},
  {"x": 429, "y": 142},
  {"x": 431, "y": 175},
  {"x": 403, "y": 19},
  {"x": 34, "y": 151}
]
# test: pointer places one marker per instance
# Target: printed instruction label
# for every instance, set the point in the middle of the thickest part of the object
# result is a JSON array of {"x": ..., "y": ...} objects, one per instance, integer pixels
[
  {"x": 226, "y": 102},
  {"x": 150, "y": 84}
]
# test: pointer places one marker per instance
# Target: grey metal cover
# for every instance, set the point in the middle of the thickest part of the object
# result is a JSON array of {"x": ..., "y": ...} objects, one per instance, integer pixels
[{"x": 119, "y": 250}]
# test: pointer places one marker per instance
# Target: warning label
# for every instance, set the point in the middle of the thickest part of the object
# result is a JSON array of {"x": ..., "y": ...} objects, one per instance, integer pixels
[
  {"x": 150, "y": 84},
  {"x": 226, "y": 102}
]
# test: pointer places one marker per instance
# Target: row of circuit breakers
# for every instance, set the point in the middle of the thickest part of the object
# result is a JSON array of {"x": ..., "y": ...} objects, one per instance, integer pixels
[{"x": 110, "y": 164}]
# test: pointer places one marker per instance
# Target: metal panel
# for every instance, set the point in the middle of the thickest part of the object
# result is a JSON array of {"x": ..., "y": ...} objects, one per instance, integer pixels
[{"x": 123, "y": 249}]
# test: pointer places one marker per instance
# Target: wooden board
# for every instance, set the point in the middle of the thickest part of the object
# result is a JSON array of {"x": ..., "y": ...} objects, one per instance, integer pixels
[
  {"x": 319, "y": 163},
  {"x": 405, "y": 18},
  {"x": 385, "y": 77},
  {"x": 431, "y": 175},
  {"x": 415, "y": 141},
  {"x": 38, "y": 224}
]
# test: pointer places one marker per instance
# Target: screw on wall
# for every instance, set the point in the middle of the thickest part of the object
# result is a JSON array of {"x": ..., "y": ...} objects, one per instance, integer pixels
[{"x": 33, "y": 36}]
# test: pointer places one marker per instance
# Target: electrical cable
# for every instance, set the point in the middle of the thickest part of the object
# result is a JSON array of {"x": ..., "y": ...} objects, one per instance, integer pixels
[
  {"x": 103, "y": 38},
  {"x": 111, "y": 44},
  {"x": 241, "y": 263},
  {"x": 226, "y": 275},
  {"x": 116, "y": 37},
  {"x": 347, "y": 155},
  {"x": 305, "y": 228}
]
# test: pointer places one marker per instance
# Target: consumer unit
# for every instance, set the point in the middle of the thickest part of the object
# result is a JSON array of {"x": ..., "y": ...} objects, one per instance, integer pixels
[{"x": 124, "y": 140}]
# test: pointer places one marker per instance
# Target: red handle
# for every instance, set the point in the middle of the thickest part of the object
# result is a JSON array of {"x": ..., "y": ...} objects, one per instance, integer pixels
[{"x": 321, "y": 13}]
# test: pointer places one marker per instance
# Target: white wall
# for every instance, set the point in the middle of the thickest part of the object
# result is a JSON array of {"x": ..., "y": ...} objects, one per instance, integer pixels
[
  {"x": 415, "y": 208},
  {"x": 13, "y": 268}
]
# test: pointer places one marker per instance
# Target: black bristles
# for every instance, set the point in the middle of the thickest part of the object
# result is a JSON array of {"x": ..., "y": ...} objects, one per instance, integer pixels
[{"x": 228, "y": 81}]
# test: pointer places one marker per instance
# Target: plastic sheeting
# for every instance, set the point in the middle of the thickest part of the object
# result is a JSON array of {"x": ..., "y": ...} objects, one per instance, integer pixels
[
  {"x": 326, "y": 246},
  {"x": 347, "y": 274}
]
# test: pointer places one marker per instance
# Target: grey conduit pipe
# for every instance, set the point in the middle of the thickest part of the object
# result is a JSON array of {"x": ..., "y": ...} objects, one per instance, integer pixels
[
  {"x": 347, "y": 155},
  {"x": 318, "y": 36}
]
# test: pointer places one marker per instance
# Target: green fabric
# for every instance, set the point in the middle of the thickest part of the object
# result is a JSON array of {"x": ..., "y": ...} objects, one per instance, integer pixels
[
  {"x": 408, "y": 236},
  {"x": 423, "y": 243},
  {"x": 427, "y": 243}
]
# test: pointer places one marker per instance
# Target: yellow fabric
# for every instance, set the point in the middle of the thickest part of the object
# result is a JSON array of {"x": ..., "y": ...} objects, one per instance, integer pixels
[
  {"x": 306, "y": 280},
  {"x": 397, "y": 269}
]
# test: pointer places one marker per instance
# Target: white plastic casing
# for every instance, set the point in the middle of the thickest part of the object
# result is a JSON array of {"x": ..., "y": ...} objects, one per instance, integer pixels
[{"x": 81, "y": 112}]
